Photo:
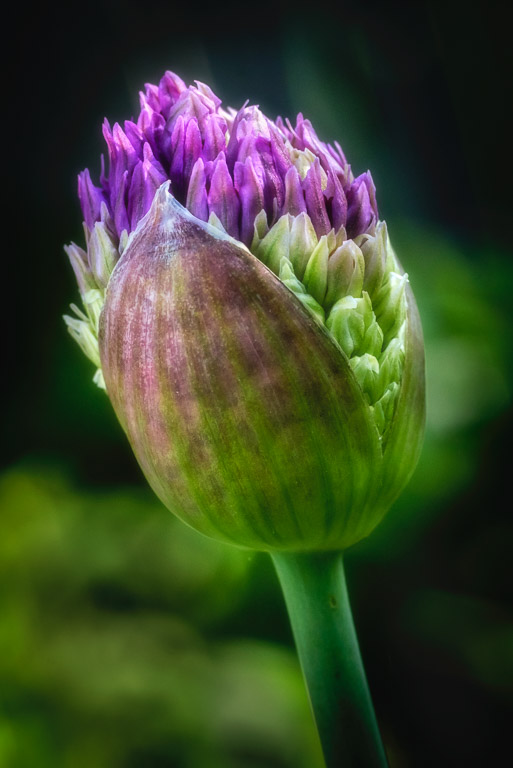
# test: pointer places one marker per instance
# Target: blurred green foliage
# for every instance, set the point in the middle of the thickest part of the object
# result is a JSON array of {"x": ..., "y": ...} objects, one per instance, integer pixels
[
  {"x": 108, "y": 608},
  {"x": 128, "y": 641}
]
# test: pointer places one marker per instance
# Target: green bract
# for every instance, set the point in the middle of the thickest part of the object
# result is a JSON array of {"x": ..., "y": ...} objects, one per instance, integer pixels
[
  {"x": 355, "y": 288},
  {"x": 274, "y": 396}
]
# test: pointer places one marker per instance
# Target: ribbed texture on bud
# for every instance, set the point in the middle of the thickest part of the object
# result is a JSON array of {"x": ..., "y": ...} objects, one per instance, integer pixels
[{"x": 245, "y": 417}]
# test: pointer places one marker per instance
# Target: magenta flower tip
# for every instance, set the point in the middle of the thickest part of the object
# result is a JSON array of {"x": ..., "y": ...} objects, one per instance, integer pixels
[{"x": 233, "y": 164}]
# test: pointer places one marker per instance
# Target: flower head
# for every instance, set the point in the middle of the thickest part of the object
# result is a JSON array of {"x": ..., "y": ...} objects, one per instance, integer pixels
[
  {"x": 227, "y": 164},
  {"x": 258, "y": 337}
]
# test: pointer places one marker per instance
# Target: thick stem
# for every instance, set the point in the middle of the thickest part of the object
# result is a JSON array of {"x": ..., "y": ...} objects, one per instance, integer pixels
[{"x": 316, "y": 596}]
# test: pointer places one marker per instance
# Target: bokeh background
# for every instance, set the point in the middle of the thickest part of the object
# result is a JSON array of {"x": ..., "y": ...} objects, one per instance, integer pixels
[{"x": 129, "y": 641}]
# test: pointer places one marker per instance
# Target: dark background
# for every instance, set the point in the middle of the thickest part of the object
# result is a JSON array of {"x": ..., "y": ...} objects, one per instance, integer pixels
[{"x": 420, "y": 95}]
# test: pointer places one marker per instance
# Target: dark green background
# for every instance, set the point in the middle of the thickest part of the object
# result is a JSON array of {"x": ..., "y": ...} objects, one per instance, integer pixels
[{"x": 128, "y": 641}]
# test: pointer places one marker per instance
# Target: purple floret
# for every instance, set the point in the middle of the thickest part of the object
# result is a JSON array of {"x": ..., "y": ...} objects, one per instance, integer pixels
[{"x": 232, "y": 164}]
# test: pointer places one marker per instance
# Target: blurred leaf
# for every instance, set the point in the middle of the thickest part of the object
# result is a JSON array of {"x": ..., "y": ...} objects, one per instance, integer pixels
[
  {"x": 106, "y": 603},
  {"x": 475, "y": 636}
]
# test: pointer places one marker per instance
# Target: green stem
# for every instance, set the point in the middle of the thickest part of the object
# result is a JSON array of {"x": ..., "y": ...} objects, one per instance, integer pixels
[{"x": 315, "y": 592}]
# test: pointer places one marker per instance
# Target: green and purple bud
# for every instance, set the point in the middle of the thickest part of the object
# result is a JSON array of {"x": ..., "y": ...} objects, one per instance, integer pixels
[{"x": 251, "y": 323}]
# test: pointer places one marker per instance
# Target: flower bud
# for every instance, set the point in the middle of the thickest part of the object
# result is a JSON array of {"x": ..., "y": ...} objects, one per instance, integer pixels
[
  {"x": 346, "y": 269},
  {"x": 239, "y": 407},
  {"x": 374, "y": 250},
  {"x": 253, "y": 327},
  {"x": 104, "y": 254}
]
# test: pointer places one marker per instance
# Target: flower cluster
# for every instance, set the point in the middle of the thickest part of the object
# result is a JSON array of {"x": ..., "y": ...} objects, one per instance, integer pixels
[
  {"x": 289, "y": 197},
  {"x": 224, "y": 163},
  {"x": 249, "y": 319}
]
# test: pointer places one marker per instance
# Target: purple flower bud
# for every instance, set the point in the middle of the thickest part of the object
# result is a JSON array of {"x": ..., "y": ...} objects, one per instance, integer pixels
[
  {"x": 197, "y": 202},
  {"x": 294, "y": 198},
  {"x": 249, "y": 187},
  {"x": 250, "y": 321},
  {"x": 315, "y": 200},
  {"x": 258, "y": 165},
  {"x": 91, "y": 198},
  {"x": 362, "y": 213},
  {"x": 147, "y": 177},
  {"x": 223, "y": 200},
  {"x": 168, "y": 92}
]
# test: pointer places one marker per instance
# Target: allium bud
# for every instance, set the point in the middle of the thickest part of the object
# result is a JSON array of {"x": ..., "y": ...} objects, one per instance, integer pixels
[{"x": 251, "y": 323}]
